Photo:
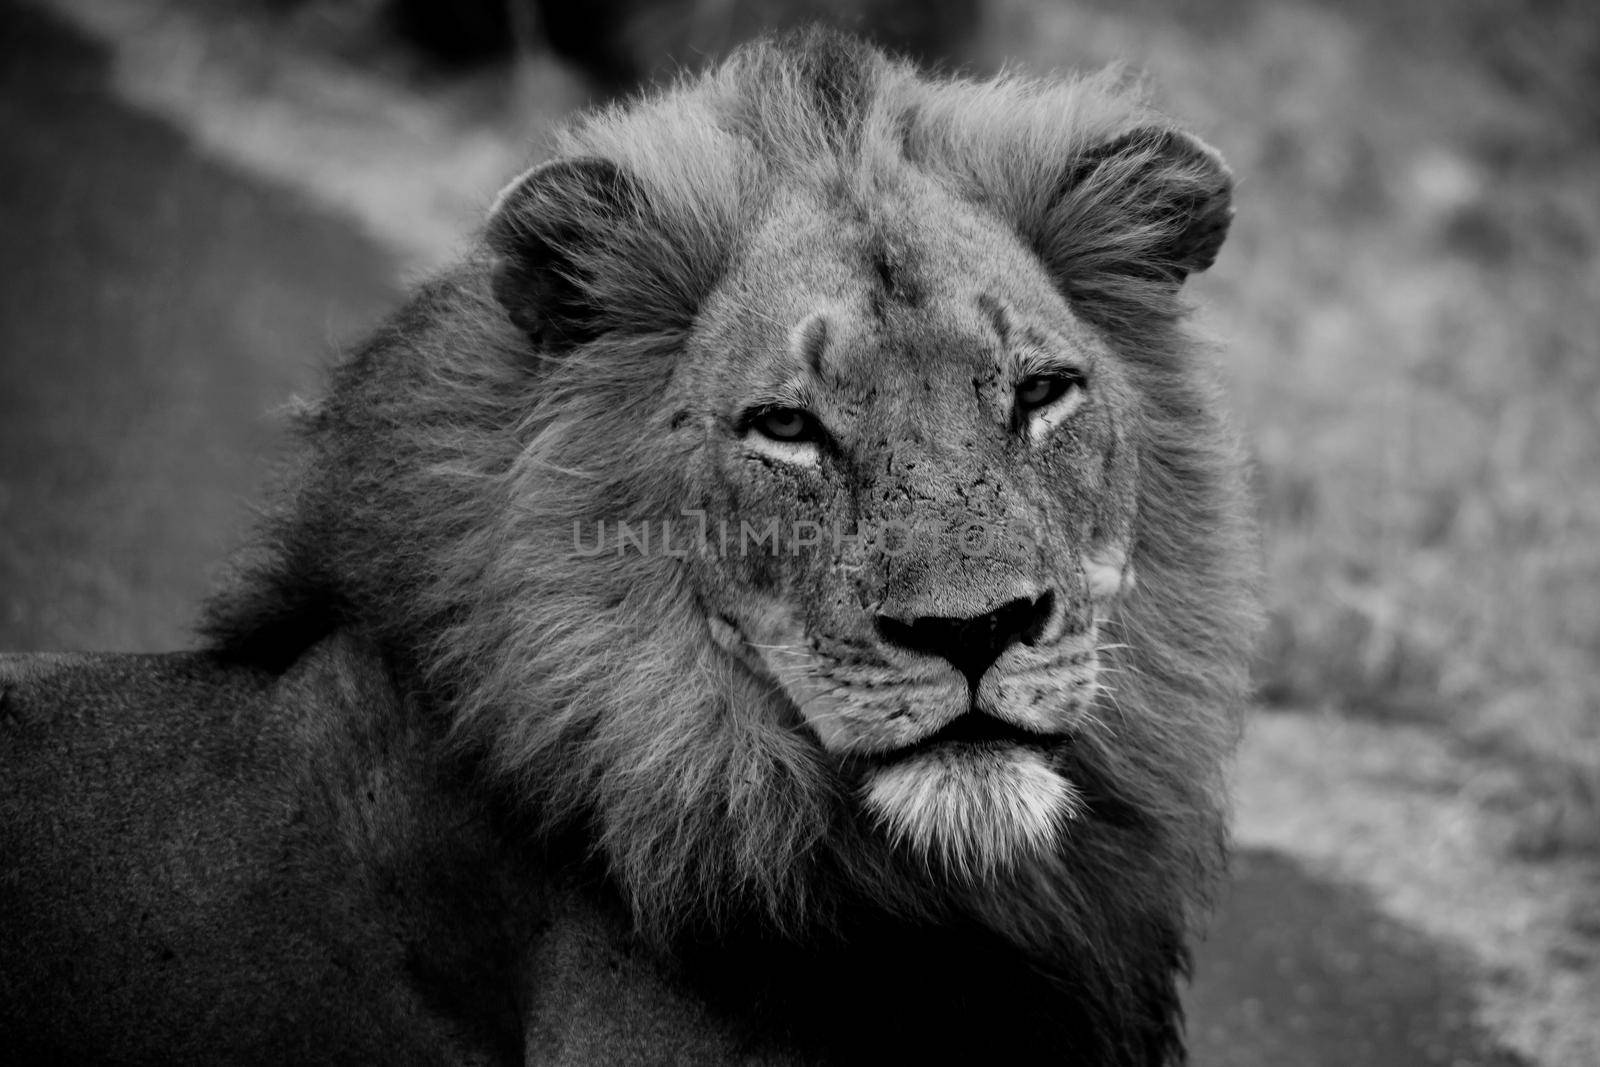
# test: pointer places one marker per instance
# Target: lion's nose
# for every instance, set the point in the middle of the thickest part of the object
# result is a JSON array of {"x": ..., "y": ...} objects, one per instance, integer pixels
[{"x": 971, "y": 644}]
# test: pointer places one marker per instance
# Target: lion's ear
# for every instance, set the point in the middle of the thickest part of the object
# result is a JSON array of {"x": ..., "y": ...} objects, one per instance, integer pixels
[
  {"x": 1153, "y": 204},
  {"x": 577, "y": 252}
]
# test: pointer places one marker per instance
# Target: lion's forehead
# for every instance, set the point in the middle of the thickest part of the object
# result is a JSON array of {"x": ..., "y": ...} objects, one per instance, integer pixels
[{"x": 922, "y": 250}]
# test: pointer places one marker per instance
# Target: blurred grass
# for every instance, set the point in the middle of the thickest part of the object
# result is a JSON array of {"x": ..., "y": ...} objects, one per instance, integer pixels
[{"x": 1410, "y": 305}]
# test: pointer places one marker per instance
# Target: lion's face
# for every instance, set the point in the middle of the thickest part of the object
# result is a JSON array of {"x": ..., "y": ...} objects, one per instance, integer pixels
[{"x": 919, "y": 492}]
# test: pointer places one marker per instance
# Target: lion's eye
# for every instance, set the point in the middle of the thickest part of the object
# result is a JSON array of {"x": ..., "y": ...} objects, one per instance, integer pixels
[
  {"x": 1038, "y": 390},
  {"x": 786, "y": 424}
]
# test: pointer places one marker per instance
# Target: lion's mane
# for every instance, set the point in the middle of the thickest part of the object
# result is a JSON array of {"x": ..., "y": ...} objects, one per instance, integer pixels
[{"x": 434, "y": 505}]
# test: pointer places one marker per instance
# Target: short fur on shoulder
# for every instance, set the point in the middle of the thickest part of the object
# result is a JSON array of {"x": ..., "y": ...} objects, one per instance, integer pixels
[{"x": 558, "y": 380}]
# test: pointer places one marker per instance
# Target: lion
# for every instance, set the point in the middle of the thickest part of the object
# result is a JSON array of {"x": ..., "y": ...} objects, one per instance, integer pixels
[{"x": 784, "y": 596}]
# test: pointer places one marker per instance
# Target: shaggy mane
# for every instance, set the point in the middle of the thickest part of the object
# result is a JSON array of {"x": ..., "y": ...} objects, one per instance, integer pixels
[{"x": 442, "y": 475}]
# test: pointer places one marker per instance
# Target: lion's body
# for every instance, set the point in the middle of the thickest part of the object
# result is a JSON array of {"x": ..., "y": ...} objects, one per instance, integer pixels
[{"x": 514, "y": 797}]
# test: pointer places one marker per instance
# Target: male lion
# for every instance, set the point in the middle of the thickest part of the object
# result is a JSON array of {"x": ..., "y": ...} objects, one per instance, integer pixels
[{"x": 783, "y": 599}]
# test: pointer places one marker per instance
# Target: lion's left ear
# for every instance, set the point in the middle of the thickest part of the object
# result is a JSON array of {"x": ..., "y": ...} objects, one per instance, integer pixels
[{"x": 1153, "y": 204}]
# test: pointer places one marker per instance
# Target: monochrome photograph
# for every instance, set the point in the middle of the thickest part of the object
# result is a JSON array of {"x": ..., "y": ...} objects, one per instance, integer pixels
[{"x": 800, "y": 531}]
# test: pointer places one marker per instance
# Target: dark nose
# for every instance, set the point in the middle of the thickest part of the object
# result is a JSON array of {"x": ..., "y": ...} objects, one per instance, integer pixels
[{"x": 971, "y": 644}]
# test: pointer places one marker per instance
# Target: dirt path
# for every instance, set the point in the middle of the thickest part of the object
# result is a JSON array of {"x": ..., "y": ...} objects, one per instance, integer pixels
[
  {"x": 154, "y": 305},
  {"x": 1304, "y": 971}
]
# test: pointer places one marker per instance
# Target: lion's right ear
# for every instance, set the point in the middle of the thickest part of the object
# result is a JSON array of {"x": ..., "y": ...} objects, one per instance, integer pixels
[{"x": 578, "y": 249}]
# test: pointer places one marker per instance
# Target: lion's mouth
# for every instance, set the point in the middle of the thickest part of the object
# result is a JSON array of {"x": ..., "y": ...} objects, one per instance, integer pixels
[
  {"x": 972, "y": 729},
  {"x": 973, "y": 732}
]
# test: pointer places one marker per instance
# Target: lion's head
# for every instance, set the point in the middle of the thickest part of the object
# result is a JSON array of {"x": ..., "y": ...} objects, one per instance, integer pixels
[{"x": 810, "y": 488}]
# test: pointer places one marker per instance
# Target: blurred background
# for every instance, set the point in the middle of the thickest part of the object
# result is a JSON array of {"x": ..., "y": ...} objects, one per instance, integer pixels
[{"x": 205, "y": 201}]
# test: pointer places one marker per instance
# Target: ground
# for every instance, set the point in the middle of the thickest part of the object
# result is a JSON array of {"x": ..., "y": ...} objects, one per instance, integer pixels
[{"x": 190, "y": 240}]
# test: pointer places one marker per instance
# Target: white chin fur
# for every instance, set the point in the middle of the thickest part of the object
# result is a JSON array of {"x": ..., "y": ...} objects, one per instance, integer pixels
[{"x": 975, "y": 809}]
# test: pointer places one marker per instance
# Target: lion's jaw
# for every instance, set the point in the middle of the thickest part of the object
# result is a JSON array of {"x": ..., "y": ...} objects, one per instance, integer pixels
[
  {"x": 962, "y": 776},
  {"x": 973, "y": 807}
]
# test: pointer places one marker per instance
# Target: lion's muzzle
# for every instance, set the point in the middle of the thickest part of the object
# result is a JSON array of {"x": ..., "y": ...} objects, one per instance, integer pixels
[{"x": 972, "y": 644}]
